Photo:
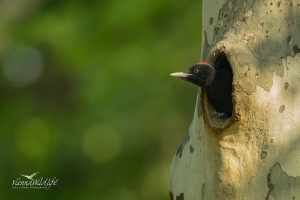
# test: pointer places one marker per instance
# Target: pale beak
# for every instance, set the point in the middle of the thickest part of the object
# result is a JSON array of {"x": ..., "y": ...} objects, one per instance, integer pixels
[{"x": 180, "y": 74}]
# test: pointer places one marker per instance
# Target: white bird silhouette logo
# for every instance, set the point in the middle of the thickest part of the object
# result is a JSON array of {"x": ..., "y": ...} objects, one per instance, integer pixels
[{"x": 30, "y": 177}]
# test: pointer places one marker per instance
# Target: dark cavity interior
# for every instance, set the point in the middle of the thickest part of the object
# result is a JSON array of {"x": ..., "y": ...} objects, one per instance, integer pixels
[{"x": 222, "y": 61}]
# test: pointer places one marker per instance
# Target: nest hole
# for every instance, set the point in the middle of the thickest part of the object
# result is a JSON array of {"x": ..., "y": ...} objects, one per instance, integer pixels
[{"x": 218, "y": 125}]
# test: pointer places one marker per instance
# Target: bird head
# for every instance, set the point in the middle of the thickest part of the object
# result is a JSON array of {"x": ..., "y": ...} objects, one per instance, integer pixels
[{"x": 201, "y": 74}]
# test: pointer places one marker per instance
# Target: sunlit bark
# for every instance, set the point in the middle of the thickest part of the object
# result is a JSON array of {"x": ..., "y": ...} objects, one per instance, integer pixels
[{"x": 256, "y": 153}]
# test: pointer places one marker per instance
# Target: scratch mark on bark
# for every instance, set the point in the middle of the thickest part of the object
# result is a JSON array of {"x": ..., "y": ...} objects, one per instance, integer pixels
[
  {"x": 171, "y": 195},
  {"x": 184, "y": 141},
  {"x": 180, "y": 197}
]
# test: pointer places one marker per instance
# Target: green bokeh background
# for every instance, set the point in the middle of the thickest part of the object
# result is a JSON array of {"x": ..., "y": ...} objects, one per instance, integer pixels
[{"x": 103, "y": 116}]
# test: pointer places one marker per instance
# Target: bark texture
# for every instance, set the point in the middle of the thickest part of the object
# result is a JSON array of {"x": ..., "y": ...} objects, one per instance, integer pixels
[{"x": 256, "y": 153}]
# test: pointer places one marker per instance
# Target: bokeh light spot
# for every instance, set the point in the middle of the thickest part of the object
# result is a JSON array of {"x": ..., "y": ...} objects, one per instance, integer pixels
[
  {"x": 155, "y": 183},
  {"x": 101, "y": 143},
  {"x": 23, "y": 66},
  {"x": 33, "y": 138}
]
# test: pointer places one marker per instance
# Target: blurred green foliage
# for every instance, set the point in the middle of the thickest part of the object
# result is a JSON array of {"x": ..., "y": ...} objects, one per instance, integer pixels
[{"x": 101, "y": 112}]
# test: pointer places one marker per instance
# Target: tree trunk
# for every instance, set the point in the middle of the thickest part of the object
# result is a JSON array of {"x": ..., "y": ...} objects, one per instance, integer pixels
[{"x": 256, "y": 153}]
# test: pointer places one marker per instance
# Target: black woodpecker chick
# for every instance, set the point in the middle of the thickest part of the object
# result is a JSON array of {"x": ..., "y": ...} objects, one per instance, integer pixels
[{"x": 217, "y": 81}]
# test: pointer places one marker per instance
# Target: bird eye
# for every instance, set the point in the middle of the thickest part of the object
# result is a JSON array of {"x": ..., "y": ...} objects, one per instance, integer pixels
[{"x": 195, "y": 71}]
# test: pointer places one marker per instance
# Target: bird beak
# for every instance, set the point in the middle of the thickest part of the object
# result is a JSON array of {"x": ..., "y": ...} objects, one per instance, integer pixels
[{"x": 180, "y": 74}]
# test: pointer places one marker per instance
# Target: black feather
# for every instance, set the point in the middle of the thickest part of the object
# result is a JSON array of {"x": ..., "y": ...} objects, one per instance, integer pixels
[{"x": 217, "y": 81}]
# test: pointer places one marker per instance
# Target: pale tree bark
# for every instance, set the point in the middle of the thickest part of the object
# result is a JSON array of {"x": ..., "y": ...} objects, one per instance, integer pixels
[{"x": 256, "y": 153}]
